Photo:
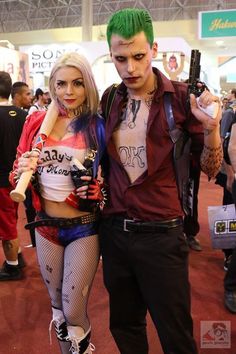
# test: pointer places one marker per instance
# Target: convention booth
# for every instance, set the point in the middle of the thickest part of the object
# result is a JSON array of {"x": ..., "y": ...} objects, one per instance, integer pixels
[{"x": 15, "y": 63}]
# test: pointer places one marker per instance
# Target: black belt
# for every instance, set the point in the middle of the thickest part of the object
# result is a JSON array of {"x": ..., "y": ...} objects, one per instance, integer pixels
[
  {"x": 63, "y": 222},
  {"x": 132, "y": 225}
]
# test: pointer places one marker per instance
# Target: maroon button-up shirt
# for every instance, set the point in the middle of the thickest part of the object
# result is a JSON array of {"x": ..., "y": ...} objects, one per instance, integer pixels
[{"x": 154, "y": 195}]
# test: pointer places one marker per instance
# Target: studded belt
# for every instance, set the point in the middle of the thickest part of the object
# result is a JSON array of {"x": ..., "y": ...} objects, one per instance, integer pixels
[{"x": 63, "y": 222}]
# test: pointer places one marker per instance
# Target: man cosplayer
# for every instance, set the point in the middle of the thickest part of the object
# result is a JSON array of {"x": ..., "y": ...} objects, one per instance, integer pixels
[{"x": 144, "y": 251}]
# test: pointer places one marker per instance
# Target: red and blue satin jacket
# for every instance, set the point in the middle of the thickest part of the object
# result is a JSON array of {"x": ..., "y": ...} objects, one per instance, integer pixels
[{"x": 28, "y": 136}]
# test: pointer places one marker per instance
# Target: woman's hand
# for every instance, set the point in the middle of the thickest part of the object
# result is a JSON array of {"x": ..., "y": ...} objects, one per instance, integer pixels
[
  {"x": 82, "y": 192},
  {"x": 91, "y": 191},
  {"x": 28, "y": 161}
]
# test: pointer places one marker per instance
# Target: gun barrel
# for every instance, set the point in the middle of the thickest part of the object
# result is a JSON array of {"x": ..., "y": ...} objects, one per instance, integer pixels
[
  {"x": 198, "y": 66},
  {"x": 194, "y": 70}
]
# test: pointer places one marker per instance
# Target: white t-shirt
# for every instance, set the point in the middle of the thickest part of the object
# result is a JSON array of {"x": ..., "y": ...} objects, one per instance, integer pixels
[
  {"x": 54, "y": 174},
  {"x": 35, "y": 107}
]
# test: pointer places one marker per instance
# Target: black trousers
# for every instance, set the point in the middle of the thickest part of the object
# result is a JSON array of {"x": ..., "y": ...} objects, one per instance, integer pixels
[{"x": 147, "y": 271}]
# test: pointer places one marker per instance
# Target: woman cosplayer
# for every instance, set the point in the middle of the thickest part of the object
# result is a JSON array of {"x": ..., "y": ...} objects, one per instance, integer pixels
[{"x": 66, "y": 227}]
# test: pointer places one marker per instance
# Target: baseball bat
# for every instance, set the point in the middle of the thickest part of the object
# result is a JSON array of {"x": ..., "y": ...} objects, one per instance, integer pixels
[{"x": 18, "y": 194}]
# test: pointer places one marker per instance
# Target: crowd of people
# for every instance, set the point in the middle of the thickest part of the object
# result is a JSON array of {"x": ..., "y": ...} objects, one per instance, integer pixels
[
  {"x": 16, "y": 101},
  {"x": 104, "y": 182}
]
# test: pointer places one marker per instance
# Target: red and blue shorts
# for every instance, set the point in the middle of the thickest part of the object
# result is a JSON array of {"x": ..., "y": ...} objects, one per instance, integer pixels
[
  {"x": 64, "y": 236},
  {"x": 8, "y": 215}
]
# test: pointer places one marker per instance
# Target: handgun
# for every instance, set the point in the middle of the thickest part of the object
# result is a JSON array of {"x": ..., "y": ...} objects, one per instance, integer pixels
[
  {"x": 194, "y": 74},
  {"x": 196, "y": 86},
  {"x": 86, "y": 169}
]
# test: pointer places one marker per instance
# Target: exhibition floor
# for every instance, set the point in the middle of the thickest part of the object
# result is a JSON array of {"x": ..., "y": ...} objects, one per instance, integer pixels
[{"x": 26, "y": 314}]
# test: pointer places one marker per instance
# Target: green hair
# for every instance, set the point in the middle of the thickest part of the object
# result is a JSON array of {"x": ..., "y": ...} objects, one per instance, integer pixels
[{"x": 128, "y": 22}]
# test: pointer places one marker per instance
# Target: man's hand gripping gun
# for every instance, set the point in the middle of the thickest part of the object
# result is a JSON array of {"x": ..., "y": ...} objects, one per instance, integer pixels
[{"x": 196, "y": 86}]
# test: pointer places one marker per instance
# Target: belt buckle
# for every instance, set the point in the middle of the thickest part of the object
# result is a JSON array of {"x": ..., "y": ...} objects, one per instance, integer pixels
[{"x": 125, "y": 223}]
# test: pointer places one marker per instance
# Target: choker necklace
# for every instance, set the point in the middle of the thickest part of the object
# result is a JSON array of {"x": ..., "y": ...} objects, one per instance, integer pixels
[{"x": 71, "y": 113}]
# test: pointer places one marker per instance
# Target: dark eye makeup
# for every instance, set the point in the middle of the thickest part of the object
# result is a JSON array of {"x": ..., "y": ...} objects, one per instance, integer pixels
[{"x": 76, "y": 82}]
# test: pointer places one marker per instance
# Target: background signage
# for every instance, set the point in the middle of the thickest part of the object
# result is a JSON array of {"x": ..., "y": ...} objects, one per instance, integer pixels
[{"x": 217, "y": 24}]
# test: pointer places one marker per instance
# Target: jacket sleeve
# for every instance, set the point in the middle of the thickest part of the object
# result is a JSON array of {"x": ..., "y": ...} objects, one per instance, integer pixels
[{"x": 30, "y": 129}]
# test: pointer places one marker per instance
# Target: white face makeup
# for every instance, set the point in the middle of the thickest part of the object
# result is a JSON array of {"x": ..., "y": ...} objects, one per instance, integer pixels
[{"x": 133, "y": 61}]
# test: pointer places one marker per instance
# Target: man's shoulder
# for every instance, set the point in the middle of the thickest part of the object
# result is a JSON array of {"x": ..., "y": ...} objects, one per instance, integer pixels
[
  {"x": 21, "y": 112},
  {"x": 179, "y": 93},
  {"x": 228, "y": 114},
  {"x": 228, "y": 118},
  {"x": 33, "y": 108},
  {"x": 108, "y": 97},
  {"x": 170, "y": 85},
  {"x": 110, "y": 88},
  {"x": 13, "y": 111},
  {"x": 180, "y": 86}
]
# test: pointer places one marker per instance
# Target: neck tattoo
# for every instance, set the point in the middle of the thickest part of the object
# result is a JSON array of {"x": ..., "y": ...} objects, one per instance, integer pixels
[{"x": 130, "y": 113}]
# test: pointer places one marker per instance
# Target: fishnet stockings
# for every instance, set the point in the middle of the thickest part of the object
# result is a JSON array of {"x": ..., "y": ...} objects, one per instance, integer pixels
[{"x": 68, "y": 273}]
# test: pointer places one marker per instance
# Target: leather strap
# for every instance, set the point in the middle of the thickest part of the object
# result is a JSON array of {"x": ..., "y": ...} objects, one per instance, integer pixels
[
  {"x": 137, "y": 226},
  {"x": 63, "y": 222}
]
